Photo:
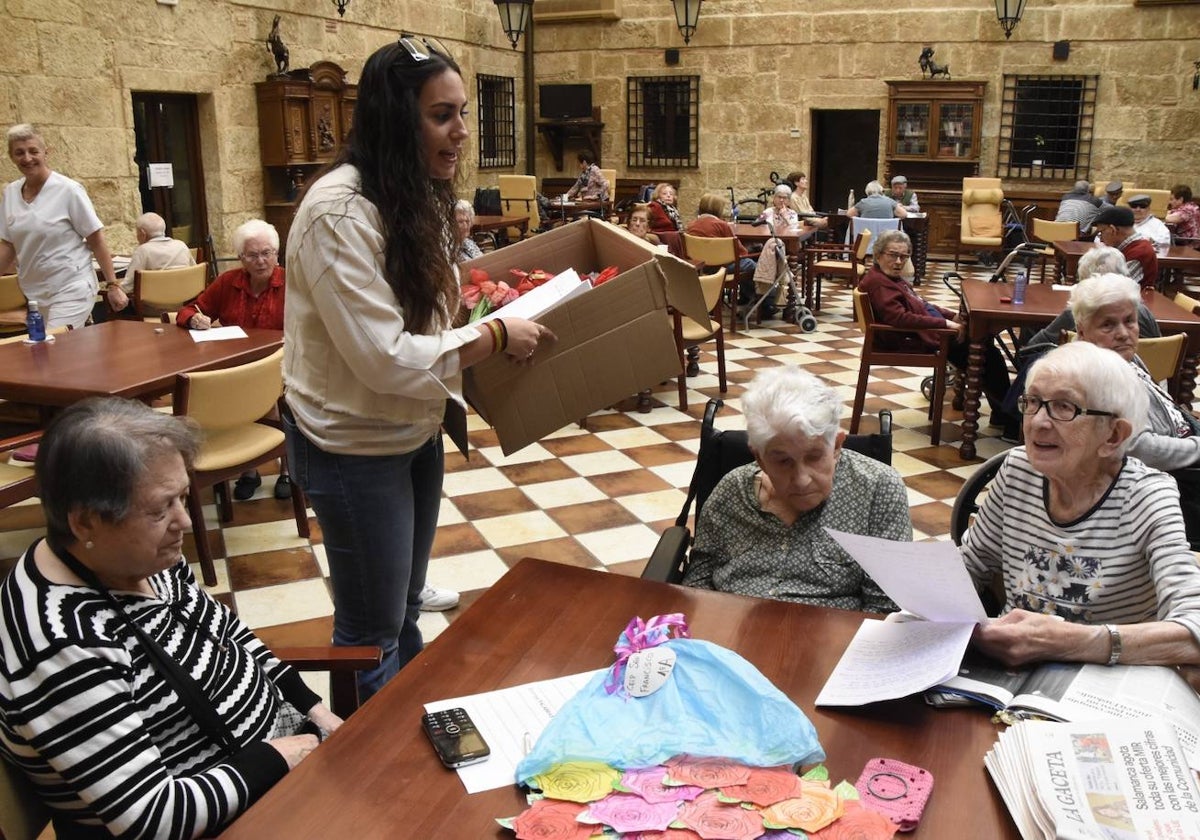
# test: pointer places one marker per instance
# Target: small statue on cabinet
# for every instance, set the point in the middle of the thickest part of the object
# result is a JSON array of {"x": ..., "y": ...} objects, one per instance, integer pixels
[
  {"x": 928, "y": 65},
  {"x": 278, "y": 49}
]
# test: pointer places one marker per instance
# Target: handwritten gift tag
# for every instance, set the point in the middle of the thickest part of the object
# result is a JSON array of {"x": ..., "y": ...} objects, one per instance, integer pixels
[{"x": 647, "y": 670}]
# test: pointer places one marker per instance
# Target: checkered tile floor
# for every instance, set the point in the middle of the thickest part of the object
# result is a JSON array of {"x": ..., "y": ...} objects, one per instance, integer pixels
[{"x": 597, "y": 497}]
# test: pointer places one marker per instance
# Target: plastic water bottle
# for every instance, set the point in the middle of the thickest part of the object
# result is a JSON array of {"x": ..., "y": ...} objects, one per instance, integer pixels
[
  {"x": 733, "y": 214},
  {"x": 34, "y": 323},
  {"x": 850, "y": 200},
  {"x": 1019, "y": 287}
]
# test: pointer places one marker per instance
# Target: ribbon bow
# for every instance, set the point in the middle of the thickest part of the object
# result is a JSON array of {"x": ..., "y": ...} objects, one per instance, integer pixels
[{"x": 640, "y": 635}]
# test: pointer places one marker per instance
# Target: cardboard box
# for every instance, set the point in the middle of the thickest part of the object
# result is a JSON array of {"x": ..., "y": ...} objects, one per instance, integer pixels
[{"x": 613, "y": 340}]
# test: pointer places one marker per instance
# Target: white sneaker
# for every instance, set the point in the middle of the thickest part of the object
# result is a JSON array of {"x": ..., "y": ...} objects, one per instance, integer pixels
[{"x": 436, "y": 600}]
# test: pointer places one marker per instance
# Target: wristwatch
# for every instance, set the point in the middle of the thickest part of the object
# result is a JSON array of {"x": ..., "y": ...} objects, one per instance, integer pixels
[{"x": 1114, "y": 639}]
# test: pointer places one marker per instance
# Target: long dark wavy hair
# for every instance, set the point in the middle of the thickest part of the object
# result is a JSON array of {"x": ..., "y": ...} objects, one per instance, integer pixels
[{"x": 385, "y": 145}]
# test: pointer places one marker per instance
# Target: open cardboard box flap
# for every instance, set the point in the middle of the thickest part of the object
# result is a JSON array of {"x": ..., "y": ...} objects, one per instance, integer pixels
[{"x": 613, "y": 340}]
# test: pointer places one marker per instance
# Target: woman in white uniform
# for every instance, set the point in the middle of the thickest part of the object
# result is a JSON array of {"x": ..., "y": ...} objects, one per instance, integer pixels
[{"x": 48, "y": 224}]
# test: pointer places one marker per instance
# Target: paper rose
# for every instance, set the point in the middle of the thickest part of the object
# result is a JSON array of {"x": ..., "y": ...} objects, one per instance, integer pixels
[
  {"x": 550, "y": 819},
  {"x": 857, "y": 823},
  {"x": 670, "y": 834},
  {"x": 647, "y": 781},
  {"x": 816, "y": 808},
  {"x": 713, "y": 819},
  {"x": 766, "y": 786},
  {"x": 624, "y": 812},
  {"x": 706, "y": 772},
  {"x": 578, "y": 781}
]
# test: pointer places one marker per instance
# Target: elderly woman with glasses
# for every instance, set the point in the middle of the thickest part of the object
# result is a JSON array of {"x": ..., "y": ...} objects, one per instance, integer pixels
[
  {"x": 762, "y": 530},
  {"x": 372, "y": 361},
  {"x": 137, "y": 704},
  {"x": 1089, "y": 542},
  {"x": 894, "y": 303}
]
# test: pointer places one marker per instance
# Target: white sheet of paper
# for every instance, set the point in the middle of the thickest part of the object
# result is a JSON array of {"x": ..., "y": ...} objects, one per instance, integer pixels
[
  {"x": 510, "y": 720},
  {"x": 926, "y": 578},
  {"x": 533, "y": 303},
  {"x": 888, "y": 660},
  {"x": 161, "y": 174},
  {"x": 1059, "y": 287},
  {"x": 217, "y": 334}
]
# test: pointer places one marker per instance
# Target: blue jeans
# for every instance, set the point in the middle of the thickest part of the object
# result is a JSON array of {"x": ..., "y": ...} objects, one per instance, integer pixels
[
  {"x": 378, "y": 515},
  {"x": 746, "y": 290}
]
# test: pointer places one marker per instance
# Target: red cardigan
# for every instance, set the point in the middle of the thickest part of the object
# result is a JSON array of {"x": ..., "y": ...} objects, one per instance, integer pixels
[
  {"x": 1142, "y": 251},
  {"x": 660, "y": 220},
  {"x": 894, "y": 303},
  {"x": 714, "y": 228},
  {"x": 229, "y": 301}
]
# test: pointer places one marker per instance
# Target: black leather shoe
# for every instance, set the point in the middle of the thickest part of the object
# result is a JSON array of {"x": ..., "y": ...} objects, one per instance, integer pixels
[
  {"x": 283, "y": 487},
  {"x": 245, "y": 486}
]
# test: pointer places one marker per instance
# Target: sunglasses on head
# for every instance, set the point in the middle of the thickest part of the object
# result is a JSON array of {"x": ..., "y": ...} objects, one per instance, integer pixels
[{"x": 420, "y": 49}]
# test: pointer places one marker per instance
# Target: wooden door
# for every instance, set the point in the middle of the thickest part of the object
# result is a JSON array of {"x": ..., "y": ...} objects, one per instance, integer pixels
[{"x": 166, "y": 130}]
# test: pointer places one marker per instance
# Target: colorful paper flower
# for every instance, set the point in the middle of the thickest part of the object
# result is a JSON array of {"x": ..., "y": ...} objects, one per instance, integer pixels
[
  {"x": 706, "y": 772},
  {"x": 713, "y": 819},
  {"x": 648, "y": 783},
  {"x": 766, "y": 786},
  {"x": 551, "y": 819},
  {"x": 578, "y": 781},
  {"x": 623, "y": 812},
  {"x": 816, "y": 808},
  {"x": 857, "y": 823},
  {"x": 670, "y": 834}
]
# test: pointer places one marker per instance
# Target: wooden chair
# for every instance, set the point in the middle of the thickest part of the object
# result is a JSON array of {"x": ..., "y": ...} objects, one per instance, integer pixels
[
  {"x": 232, "y": 406},
  {"x": 16, "y": 483},
  {"x": 720, "y": 452},
  {"x": 689, "y": 333},
  {"x": 715, "y": 252},
  {"x": 981, "y": 227},
  {"x": 938, "y": 360},
  {"x": 13, "y": 305},
  {"x": 1048, "y": 232},
  {"x": 1189, "y": 303},
  {"x": 1162, "y": 358},
  {"x": 607, "y": 211},
  {"x": 849, "y": 263},
  {"x": 518, "y": 197},
  {"x": 167, "y": 288}
]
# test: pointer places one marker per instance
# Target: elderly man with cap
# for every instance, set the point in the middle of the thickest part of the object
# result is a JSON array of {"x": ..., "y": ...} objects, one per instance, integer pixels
[
  {"x": 1079, "y": 206},
  {"x": 155, "y": 251},
  {"x": 1112, "y": 192},
  {"x": 903, "y": 196},
  {"x": 1114, "y": 226},
  {"x": 1147, "y": 224}
]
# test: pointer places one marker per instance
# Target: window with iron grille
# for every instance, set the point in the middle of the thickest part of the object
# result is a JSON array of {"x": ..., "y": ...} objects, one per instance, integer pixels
[
  {"x": 1046, "y": 125},
  {"x": 497, "y": 121},
  {"x": 663, "y": 121}
]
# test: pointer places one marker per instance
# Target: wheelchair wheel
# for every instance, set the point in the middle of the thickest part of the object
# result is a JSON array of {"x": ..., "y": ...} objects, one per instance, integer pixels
[{"x": 927, "y": 388}]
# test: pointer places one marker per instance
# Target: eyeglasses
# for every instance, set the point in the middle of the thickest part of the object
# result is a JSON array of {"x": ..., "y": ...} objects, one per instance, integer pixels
[
  {"x": 894, "y": 255},
  {"x": 255, "y": 256},
  {"x": 420, "y": 50},
  {"x": 1139, "y": 206},
  {"x": 1062, "y": 410}
]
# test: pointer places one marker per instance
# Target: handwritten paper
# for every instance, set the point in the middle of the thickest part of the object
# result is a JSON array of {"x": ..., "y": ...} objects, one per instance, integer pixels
[
  {"x": 217, "y": 334},
  {"x": 887, "y": 660},
  {"x": 510, "y": 720},
  {"x": 925, "y": 578}
]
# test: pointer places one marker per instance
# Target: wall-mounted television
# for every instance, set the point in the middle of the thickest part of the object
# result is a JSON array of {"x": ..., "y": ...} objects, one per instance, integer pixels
[{"x": 564, "y": 102}]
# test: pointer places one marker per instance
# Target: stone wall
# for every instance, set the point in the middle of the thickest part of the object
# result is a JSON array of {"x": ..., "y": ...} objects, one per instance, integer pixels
[{"x": 71, "y": 66}]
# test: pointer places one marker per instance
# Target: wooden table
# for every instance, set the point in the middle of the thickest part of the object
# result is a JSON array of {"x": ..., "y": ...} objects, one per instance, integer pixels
[
  {"x": 378, "y": 776},
  {"x": 499, "y": 225},
  {"x": 917, "y": 228},
  {"x": 566, "y": 210},
  {"x": 122, "y": 358},
  {"x": 987, "y": 317},
  {"x": 793, "y": 240},
  {"x": 1176, "y": 258}
]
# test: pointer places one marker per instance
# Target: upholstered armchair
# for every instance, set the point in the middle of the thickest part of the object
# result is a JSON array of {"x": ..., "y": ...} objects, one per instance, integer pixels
[{"x": 981, "y": 227}]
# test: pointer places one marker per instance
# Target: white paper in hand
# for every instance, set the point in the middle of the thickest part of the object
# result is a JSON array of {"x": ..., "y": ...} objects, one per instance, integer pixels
[{"x": 925, "y": 578}]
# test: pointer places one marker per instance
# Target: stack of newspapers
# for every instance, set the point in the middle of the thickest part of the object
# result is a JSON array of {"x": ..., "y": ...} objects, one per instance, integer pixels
[{"x": 1101, "y": 779}]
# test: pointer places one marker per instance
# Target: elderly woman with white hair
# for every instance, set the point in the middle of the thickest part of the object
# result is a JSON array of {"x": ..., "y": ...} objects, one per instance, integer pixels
[
  {"x": 876, "y": 205},
  {"x": 780, "y": 214},
  {"x": 249, "y": 296},
  {"x": 1089, "y": 543},
  {"x": 50, "y": 229},
  {"x": 762, "y": 531},
  {"x": 464, "y": 217}
]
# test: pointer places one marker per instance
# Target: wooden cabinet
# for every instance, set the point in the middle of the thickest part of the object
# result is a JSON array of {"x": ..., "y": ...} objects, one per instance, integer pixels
[
  {"x": 302, "y": 119},
  {"x": 933, "y": 139}
]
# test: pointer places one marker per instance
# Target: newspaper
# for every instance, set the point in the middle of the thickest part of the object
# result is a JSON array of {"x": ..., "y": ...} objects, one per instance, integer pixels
[{"x": 1103, "y": 780}]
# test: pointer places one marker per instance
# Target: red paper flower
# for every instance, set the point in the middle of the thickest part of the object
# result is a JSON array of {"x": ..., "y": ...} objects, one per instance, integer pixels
[
  {"x": 766, "y": 786},
  {"x": 647, "y": 781},
  {"x": 857, "y": 823},
  {"x": 713, "y": 819},
  {"x": 606, "y": 275},
  {"x": 552, "y": 819},
  {"x": 624, "y": 812},
  {"x": 669, "y": 834},
  {"x": 707, "y": 772}
]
